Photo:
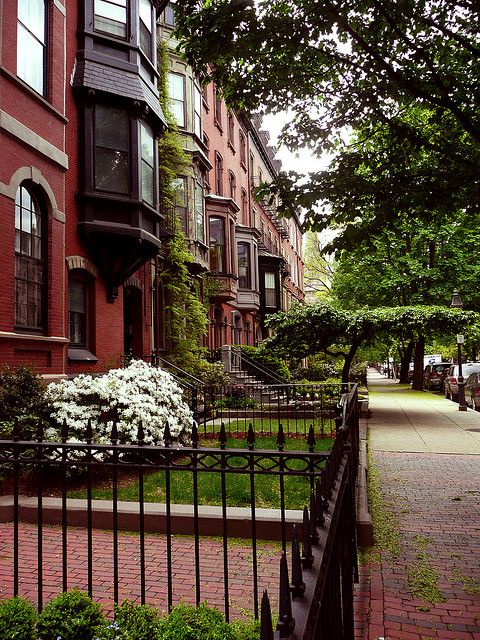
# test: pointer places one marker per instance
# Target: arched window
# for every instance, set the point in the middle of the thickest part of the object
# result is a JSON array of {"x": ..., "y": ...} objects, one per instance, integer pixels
[{"x": 30, "y": 261}]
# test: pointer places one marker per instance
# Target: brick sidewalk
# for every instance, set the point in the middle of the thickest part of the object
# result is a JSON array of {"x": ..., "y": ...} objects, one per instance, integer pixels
[
  {"x": 436, "y": 500},
  {"x": 211, "y": 567}
]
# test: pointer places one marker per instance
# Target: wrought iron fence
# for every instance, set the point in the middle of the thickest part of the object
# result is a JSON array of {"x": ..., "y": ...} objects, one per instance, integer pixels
[
  {"x": 318, "y": 599},
  {"x": 296, "y": 407}
]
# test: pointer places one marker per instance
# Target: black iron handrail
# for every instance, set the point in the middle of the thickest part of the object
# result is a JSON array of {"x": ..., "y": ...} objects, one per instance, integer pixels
[{"x": 242, "y": 361}]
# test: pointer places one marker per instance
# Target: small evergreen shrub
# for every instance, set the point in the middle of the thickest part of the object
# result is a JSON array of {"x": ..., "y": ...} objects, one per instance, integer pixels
[
  {"x": 190, "y": 623},
  {"x": 132, "y": 622},
  {"x": 17, "y": 619},
  {"x": 22, "y": 397},
  {"x": 70, "y": 616}
]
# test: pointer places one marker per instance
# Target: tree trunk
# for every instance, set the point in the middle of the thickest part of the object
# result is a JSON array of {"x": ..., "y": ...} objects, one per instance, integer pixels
[
  {"x": 418, "y": 360},
  {"x": 405, "y": 359},
  {"x": 348, "y": 361}
]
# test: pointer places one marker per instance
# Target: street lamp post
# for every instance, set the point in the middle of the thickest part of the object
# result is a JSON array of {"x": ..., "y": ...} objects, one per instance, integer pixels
[{"x": 456, "y": 303}]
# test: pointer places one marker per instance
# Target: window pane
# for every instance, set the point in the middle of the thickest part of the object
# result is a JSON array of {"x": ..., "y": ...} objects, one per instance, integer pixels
[
  {"x": 169, "y": 15},
  {"x": 197, "y": 100},
  {"x": 114, "y": 9},
  {"x": 176, "y": 83},
  {"x": 111, "y": 171},
  {"x": 269, "y": 281},
  {"x": 199, "y": 212},
  {"x": 111, "y": 128},
  {"x": 217, "y": 242},
  {"x": 31, "y": 13},
  {"x": 145, "y": 41},
  {"x": 145, "y": 11},
  {"x": 111, "y": 17},
  {"x": 30, "y": 55},
  {"x": 147, "y": 183},
  {"x": 147, "y": 144},
  {"x": 243, "y": 265}
]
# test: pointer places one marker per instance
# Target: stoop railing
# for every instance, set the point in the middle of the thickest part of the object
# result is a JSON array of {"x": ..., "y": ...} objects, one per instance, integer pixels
[{"x": 318, "y": 546}]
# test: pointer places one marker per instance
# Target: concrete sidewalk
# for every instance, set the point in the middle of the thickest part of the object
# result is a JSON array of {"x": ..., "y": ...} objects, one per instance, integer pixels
[
  {"x": 418, "y": 421},
  {"x": 425, "y": 584}
]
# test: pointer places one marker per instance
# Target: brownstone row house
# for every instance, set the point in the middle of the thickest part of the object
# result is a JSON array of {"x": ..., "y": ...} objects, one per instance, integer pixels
[
  {"x": 81, "y": 224},
  {"x": 252, "y": 257}
]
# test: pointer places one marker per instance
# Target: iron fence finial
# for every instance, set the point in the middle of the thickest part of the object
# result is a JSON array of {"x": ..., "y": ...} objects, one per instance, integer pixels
[
  {"x": 307, "y": 556},
  {"x": 298, "y": 585},
  {"x": 266, "y": 629},
  {"x": 286, "y": 622}
]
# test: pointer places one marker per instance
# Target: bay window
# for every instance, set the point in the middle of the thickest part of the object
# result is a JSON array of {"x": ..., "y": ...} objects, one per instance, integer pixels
[{"x": 31, "y": 43}]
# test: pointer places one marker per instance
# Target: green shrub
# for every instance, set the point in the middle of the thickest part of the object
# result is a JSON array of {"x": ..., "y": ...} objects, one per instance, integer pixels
[
  {"x": 267, "y": 359},
  {"x": 232, "y": 402},
  {"x": 190, "y": 623},
  {"x": 70, "y": 616},
  {"x": 22, "y": 397},
  {"x": 17, "y": 620},
  {"x": 132, "y": 622},
  {"x": 246, "y": 630}
]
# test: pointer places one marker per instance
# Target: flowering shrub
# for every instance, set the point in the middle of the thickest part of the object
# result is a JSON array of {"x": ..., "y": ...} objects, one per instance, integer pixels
[{"x": 137, "y": 393}]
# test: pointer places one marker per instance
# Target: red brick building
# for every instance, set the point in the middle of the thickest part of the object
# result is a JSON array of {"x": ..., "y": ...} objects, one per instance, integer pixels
[
  {"x": 79, "y": 210},
  {"x": 80, "y": 219}
]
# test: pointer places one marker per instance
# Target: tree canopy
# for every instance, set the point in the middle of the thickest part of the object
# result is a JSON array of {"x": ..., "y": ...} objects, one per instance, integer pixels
[
  {"x": 404, "y": 71},
  {"x": 323, "y": 327}
]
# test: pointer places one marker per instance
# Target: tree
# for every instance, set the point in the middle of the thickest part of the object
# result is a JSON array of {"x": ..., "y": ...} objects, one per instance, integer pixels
[
  {"x": 318, "y": 267},
  {"x": 407, "y": 69},
  {"x": 322, "y": 327}
]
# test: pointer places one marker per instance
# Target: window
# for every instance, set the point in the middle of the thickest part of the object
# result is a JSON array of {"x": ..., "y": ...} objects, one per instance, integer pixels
[
  {"x": 231, "y": 130},
  {"x": 217, "y": 244},
  {"x": 244, "y": 207},
  {"x": 148, "y": 164},
  {"x": 169, "y": 15},
  {"x": 244, "y": 271},
  {"x": 176, "y": 89},
  {"x": 270, "y": 291},
  {"x": 243, "y": 149},
  {"x": 112, "y": 145},
  {"x": 146, "y": 27},
  {"x": 77, "y": 309},
  {"x": 31, "y": 43},
  {"x": 218, "y": 174},
  {"x": 197, "y": 111},
  {"x": 30, "y": 261},
  {"x": 180, "y": 202},
  {"x": 232, "y": 185},
  {"x": 218, "y": 108},
  {"x": 199, "y": 212},
  {"x": 111, "y": 17}
]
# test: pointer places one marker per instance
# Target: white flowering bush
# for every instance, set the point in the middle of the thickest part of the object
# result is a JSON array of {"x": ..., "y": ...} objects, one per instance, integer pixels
[{"x": 128, "y": 396}]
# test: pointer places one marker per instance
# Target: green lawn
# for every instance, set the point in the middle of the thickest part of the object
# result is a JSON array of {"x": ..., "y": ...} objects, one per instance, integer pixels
[{"x": 267, "y": 492}]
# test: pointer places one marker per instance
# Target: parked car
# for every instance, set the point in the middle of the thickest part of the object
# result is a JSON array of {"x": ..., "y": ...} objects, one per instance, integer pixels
[
  {"x": 472, "y": 390},
  {"x": 432, "y": 375},
  {"x": 451, "y": 381}
]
